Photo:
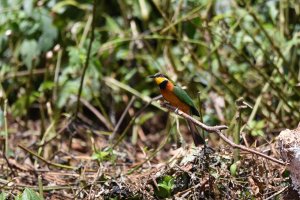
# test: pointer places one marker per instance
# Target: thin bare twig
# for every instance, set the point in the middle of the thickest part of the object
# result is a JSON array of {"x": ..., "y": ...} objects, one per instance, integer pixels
[
  {"x": 277, "y": 193},
  {"x": 24, "y": 73},
  {"x": 184, "y": 192},
  {"x": 113, "y": 135},
  {"x": 8, "y": 164},
  {"x": 96, "y": 177},
  {"x": 96, "y": 113},
  {"x": 217, "y": 130},
  {"x": 207, "y": 128},
  {"x": 45, "y": 188},
  {"x": 137, "y": 114},
  {"x": 61, "y": 130}
]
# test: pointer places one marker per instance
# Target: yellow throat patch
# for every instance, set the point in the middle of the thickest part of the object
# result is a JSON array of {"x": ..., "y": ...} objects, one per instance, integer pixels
[{"x": 159, "y": 80}]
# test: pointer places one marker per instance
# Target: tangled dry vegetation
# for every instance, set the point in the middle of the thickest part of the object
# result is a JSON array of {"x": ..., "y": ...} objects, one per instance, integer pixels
[{"x": 63, "y": 169}]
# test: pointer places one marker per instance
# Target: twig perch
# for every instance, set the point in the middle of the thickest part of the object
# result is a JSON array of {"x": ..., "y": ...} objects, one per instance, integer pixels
[{"x": 217, "y": 130}]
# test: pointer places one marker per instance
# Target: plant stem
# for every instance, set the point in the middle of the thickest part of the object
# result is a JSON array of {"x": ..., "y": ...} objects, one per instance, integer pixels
[
  {"x": 87, "y": 58},
  {"x": 5, "y": 128}
]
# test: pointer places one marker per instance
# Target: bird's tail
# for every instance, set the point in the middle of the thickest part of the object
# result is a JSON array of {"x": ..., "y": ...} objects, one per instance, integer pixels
[{"x": 198, "y": 139}]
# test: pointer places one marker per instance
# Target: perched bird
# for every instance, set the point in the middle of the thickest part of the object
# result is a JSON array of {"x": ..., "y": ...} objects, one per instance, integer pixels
[{"x": 178, "y": 98}]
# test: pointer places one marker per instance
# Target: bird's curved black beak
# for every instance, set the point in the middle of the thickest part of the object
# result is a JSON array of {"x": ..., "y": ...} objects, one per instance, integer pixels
[{"x": 152, "y": 76}]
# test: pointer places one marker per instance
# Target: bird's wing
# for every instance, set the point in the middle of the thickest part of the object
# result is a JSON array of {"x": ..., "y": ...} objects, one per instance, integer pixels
[{"x": 184, "y": 97}]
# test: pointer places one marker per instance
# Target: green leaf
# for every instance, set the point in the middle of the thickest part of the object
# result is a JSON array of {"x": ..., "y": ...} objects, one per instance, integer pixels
[
  {"x": 130, "y": 74},
  {"x": 102, "y": 155},
  {"x": 49, "y": 32},
  {"x": 141, "y": 120},
  {"x": 66, "y": 90},
  {"x": 29, "y": 51},
  {"x": 29, "y": 28},
  {"x": 77, "y": 56},
  {"x": 19, "y": 197},
  {"x": 1, "y": 118},
  {"x": 165, "y": 187},
  {"x": 105, "y": 155},
  {"x": 2, "y": 196},
  {"x": 233, "y": 169},
  {"x": 28, "y": 6},
  {"x": 256, "y": 133},
  {"x": 46, "y": 85},
  {"x": 256, "y": 128},
  {"x": 260, "y": 124},
  {"x": 112, "y": 25},
  {"x": 61, "y": 6},
  {"x": 2, "y": 133},
  {"x": 29, "y": 194},
  {"x": 19, "y": 107},
  {"x": 273, "y": 11}
]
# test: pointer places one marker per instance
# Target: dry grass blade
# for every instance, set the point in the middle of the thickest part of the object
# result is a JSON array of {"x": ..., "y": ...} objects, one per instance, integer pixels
[
  {"x": 44, "y": 160},
  {"x": 113, "y": 135}
]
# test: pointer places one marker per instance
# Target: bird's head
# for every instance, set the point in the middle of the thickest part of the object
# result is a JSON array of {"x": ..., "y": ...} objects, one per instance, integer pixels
[{"x": 159, "y": 78}]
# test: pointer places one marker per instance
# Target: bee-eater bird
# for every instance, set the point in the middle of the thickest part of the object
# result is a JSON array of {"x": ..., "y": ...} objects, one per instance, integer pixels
[{"x": 178, "y": 98}]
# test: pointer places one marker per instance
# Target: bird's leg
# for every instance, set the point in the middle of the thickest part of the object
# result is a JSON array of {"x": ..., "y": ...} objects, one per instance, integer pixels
[{"x": 164, "y": 103}]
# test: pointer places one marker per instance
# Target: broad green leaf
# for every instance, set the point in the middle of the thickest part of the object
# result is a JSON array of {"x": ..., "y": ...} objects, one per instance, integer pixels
[
  {"x": 165, "y": 187},
  {"x": 2, "y": 196},
  {"x": 112, "y": 25},
  {"x": 69, "y": 88},
  {"x": 30, "y": 51},
  {"x": 29, "y": 194},
  {"x": 29, "y": 27},
  {"x": 28, "y": 6},
  {"x": 49, "y": 32}
]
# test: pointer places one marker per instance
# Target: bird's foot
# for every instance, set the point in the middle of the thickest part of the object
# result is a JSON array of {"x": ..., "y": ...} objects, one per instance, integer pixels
[
  {"x": 164, "y": 103},
  {"x": 176, "y": 110}
]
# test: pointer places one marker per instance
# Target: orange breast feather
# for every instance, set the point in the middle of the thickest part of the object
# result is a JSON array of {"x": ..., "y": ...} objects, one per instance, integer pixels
[{"x": 173, "y": 99}]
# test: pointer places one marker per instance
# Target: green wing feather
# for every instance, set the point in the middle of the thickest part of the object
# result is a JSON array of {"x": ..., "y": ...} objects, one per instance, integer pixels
[{"x": 183, "y": 96}]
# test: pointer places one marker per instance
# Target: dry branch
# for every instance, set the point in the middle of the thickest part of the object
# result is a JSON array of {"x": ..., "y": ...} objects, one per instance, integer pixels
[{"x": 217, "y": 130}]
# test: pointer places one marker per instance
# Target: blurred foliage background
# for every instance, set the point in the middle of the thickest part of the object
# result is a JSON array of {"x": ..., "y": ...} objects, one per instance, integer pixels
[{"x": 223, "y": 49}]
